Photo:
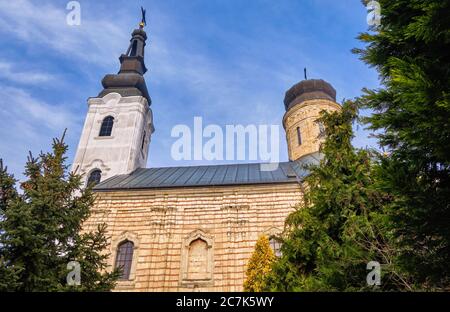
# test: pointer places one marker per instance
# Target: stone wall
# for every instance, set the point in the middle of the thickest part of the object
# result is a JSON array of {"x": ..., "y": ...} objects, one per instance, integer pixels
[
  {"x": 304, "y": 116},
  {"x": 192, "y": 239}
]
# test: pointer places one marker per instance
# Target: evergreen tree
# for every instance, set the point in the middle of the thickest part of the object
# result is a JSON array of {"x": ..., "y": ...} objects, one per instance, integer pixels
[
  {"x": 8, "y": 194},
  {"x": 41, "y": 229},
  {"x": 259, "y": 265},
  {"x": 410, "y": 50},
  {"x": 339, "y": 227}
]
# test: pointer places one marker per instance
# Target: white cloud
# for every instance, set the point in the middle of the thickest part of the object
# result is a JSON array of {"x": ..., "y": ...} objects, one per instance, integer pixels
[
  {"x": 10, "y": 72},
  {"x": 28, "y": 124},
  {"x": 21, "y": 106},
  {"x": 221, "y": 91},
  {"x": 43, "y": 25}
]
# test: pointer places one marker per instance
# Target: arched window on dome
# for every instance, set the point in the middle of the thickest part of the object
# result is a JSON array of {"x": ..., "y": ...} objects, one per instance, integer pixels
[
  {"x": 124, "y": 258},
  {"x": 107, "y": 125},
  {"x": 94, "y": 177}
]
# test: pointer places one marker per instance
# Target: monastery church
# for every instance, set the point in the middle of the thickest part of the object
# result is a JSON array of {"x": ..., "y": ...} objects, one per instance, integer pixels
[{"x": 186, "y": 228}]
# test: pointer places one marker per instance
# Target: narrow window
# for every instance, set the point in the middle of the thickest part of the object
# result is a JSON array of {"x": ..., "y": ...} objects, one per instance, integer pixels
[
  {"x": 124, "y": 258},
  {"x": 94, "y": 177},
  {"x": 143, "y": 141},
  {"x": 299, "y": 136},
  {"x": 275, "y": 244},
  {"x": 107, "y": 125},
  {"x": 321, "y": 129}
]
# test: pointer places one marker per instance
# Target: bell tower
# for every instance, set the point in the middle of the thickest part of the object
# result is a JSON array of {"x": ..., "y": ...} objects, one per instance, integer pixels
[
  {"x": 303, "y": 103},
  {"x": 119, "y": 123}
]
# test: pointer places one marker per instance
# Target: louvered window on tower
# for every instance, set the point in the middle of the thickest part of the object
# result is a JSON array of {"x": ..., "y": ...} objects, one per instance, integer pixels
[{"x": 107, "y": 125}]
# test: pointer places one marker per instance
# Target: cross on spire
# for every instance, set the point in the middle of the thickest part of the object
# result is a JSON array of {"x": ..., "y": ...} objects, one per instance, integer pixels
[{"x": 143, "y": 22}]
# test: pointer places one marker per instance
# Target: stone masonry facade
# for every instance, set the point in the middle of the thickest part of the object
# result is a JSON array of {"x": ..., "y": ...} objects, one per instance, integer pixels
[
  {"x": 302, "y": 120},
  {"x": 193, "y": 238},
  {"x": 169, "y": 229}
]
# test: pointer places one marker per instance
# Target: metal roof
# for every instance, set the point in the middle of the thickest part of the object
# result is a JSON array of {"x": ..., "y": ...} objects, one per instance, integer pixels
[{"x": 235, "y": 174}]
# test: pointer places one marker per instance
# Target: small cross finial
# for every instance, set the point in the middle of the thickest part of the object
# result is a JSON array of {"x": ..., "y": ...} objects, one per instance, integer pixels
[
  {"x": 143, "y": 21},
  {"x": 306, "y": 77}
]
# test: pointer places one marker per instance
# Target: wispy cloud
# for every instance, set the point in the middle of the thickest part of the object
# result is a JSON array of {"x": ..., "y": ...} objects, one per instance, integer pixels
[
  {"x": 29, "y": 124},
  {"x": 227, "y": 61},
  {"x": 11, "y": 72},
  {"x": 42, "y": 24},
  {"x": 22, "y": 106}
]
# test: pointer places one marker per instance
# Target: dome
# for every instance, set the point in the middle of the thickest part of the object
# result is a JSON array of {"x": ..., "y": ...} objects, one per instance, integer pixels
[{"x": 311, "y": 89}]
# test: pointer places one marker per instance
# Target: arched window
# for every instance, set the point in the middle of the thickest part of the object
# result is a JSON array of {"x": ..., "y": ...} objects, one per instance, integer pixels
[
  {"x": 299, "y": 136},
  {"x": 124, "y": 258},
  {"x": 275, "y": 244},
  {"x": 94, "y": 177},
  {"x": 107, "y": 125}
]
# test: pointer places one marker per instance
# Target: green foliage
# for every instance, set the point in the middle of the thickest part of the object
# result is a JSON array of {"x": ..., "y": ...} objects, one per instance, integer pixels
[
  {"x": 392, "y": 208},
  {"x": 40, "y": 229},
  {"x": 9, "y": 275},
  {"x": 412, "y": 112},
  {"x": 259, "y": 265},
  {"x": 339, "y": 227}
]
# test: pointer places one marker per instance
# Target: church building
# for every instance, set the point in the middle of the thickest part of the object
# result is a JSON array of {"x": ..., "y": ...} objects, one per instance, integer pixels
[{"x": 188, "y": 228}]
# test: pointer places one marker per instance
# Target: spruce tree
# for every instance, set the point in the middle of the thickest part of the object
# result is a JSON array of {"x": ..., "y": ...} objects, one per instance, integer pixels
[
  {"x": 41, "y": 229},
  {"x": 8, "y": 195},
  {"x": 410, "y": 50},
  {"x": 259, "y": 265}
]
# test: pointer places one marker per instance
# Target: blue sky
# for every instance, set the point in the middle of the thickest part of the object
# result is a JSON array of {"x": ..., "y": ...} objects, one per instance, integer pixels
[{"x": 228, "y": 61}]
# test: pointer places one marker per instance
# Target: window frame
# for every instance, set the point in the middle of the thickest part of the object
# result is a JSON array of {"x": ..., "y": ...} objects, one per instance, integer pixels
[
  {"x": 127, "y": 262},
  {"x": 275, "y": 245},
  {"x": 89, "y": 182},
  {"x": 185, "y": 280},
  {"x": 106, "y": 126},
  {"x": 115, "y": 241}
]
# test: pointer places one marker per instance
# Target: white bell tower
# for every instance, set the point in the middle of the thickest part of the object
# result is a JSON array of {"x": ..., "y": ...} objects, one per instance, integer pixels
[{"x": 119, "y": 123}]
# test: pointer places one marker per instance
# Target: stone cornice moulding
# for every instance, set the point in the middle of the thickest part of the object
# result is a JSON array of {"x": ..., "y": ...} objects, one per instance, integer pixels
[
  {"x": 95, "y": 164},
  {"x": 118, "y": 99},
  {"x": 199, "y": 234}
]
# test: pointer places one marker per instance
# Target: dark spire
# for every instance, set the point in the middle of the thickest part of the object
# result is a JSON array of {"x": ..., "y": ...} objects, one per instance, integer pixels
[
  {"x": 130, "y": 79},
  {"x": 133, "y": 59}
]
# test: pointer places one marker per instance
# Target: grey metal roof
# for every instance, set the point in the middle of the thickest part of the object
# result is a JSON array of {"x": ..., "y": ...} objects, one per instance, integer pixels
[{"x": 235, "y": 174}]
